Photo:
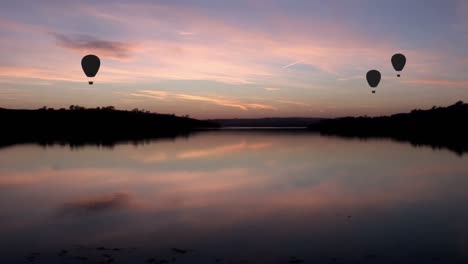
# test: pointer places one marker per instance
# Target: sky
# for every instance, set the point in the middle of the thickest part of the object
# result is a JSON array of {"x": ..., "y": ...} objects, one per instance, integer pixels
[{"x": 235, "y": 59}]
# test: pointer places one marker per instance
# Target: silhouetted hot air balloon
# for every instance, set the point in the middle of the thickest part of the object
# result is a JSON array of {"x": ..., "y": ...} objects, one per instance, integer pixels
[
  {"x": 373, "y": 78},
  {"x": 90, "y": 64},
  {"x": 398, "y": 62}
]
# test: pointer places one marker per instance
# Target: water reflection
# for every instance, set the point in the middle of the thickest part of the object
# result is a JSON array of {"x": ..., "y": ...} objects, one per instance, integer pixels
[
  {"x": 91, "y": 205},
  {"x": 261, "y": 197}
]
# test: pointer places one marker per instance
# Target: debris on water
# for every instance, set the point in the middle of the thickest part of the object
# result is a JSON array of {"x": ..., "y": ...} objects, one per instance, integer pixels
[
  {"x": 80, "y": 258},
  {"x": 78, "y": 246},
  {"x": 179, "y": 251},
  {"x": 32, "y": 256},
  {"x": 295, "y": 260}
]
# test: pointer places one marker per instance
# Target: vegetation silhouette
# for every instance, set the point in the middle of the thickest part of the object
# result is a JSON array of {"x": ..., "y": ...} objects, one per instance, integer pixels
[
  {"x": 78, "y": 126},
  {"x": 438, "y": 127}
]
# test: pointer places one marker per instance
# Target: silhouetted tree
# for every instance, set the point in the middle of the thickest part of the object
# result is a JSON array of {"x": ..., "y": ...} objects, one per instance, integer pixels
[
  {"x": 109, "y": 108},
  {"x": 80, "y": 125},
  {"x": 438, "y": 126}
]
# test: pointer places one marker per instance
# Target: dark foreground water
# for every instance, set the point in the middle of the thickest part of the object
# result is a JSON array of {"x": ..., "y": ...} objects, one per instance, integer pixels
[{"x": 234, "y": 197}]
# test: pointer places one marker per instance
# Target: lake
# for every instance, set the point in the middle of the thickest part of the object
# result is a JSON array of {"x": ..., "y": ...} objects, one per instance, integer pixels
[{"x": 234, "y": 197}]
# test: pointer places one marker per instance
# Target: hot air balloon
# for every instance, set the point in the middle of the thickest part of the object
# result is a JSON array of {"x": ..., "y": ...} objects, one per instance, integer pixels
[
  {"x": 398, "y": 62},
  {"x": 373, "y": 78},
  {"x": 90, "y": 64}
]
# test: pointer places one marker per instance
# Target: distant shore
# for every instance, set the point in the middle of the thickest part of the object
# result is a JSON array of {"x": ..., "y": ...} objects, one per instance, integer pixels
[
  {"x": 104, "y": 125},
  {"x": 272, "y": 122},
  {"x": 439, "y": 127}
]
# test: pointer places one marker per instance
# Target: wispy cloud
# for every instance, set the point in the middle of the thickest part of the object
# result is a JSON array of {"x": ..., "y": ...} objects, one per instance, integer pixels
[
  {"x": 186, "y": 33},
  {"x": 162, "y": 95},
  {"x": 178, "y": 43},
  {"x": 85, "y": 43},
  {"x": 230, "y": 53},
  {"x": 37, "y": 73},
  {"x": 226, "y": 102},
  {"x": 293, "y": 103},
  {"x": 292, "y": 64},
  {"x": 438, "y": 82},
  {"x": 272, "y": 89},
  {"x": 222, "y": 51},
  {"x": 11, "y": 25}
]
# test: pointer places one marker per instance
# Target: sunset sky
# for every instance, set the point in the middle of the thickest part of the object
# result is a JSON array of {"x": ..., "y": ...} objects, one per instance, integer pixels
[{"x": 243, "y": 58}]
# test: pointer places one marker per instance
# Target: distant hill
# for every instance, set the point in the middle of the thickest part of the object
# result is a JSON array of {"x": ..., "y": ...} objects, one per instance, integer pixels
[
  {"x": 267, "y": 122},
  {"x": 78, "y": 124},
  {"x": 438, "y": 127}
]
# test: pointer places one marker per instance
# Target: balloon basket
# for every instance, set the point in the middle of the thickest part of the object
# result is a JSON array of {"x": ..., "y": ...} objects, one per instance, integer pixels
[{"x": 90, "y": 83}]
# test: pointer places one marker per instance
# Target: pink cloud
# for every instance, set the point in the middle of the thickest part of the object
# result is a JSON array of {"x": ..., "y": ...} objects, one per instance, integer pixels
[
  {"x": 37, "y": 73},
  {"x": 438, "y": 82},
  {"x": 293, "y": 103},
  {"x": 230, "y": 53},
  {"x": 11, "y": 25},
  {"x": 161, "y": 95},
  {"x": 272, "y": 89},
  {"x": 216, "y": 50},
  {"x": 89, "y": 44},
  {"x": 148, "y": 43}
]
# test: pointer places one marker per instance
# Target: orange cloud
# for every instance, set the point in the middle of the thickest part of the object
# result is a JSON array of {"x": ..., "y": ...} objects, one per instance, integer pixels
[
  {"x": 216, "y": 50},
  {"x": 272, "y": 89},
  {"x": 226, "y": 102},
  {"x": 37, "y": 73},
  {"x": 293, "y": 103},
  {"x": 148, "y": 43},
  {"x": 438, "y": 82},
  {"x": 230, "y": 53},
  {"x": 14, "y": 26},
  {"x": 161, "y": 95}
]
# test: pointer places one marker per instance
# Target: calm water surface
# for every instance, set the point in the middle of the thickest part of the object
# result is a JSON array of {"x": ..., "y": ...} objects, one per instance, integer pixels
[{"x": 234, "y": 197}]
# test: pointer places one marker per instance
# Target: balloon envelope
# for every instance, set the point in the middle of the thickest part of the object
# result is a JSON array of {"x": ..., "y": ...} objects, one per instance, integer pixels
[
  {"x": 90, "y": 65},
  {"x": 398, "y": 61},
  {"x": 373, "y": 78}
]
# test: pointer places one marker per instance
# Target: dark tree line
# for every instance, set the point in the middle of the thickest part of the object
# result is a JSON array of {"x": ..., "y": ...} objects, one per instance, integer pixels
[
  {"x": 439, "y": 127},
  {"x": 101, "y": 125}
]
